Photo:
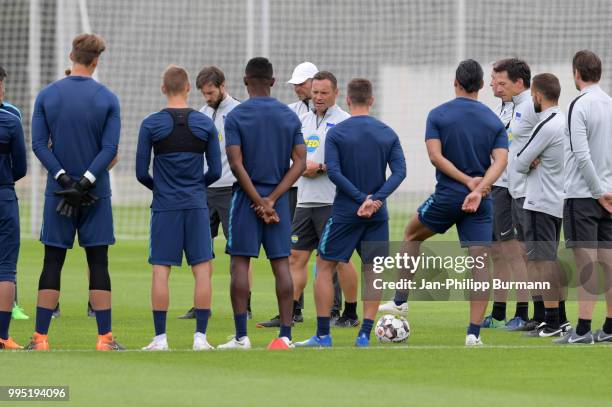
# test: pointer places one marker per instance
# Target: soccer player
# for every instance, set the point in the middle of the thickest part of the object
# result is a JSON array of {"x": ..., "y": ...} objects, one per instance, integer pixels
[
  {"x": 179, "y": 137},
  {"x": 81, "y": 118},
  {"x": 506, "y": 251},
  {"x": 462, "y": 136},
  {"x": 262, "y": 136},
  {"x": 514, "y": 77},
  {"x": 357, "y": 153},
  {"x": 17, "y": 313},
  {"x": 12, "y": 168},
  {"x": 544, "y": 196},
  {"x": 211, "y": 84},
  {"x": 316, "y": 196},
  {"x": 587, "y": 210}
]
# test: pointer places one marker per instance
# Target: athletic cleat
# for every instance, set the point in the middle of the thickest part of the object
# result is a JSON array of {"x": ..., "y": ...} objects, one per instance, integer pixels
[
  {"x": 362, "y": 341},
  {"x": 473, "y": 340},
  {"x": 298, "y": 318},
  {"x": 18, "y": 313},
  {"x": 600, "y": 336},
  {"x": 490, "y": 322},
  {"x": 566, "y": 327},
  {"x": 530, "y": 325},
  {"x": 190, "y": 314},
  {"x": 242, "y": 344},
  {"x": 90, "y": 311},
  {"x": 334, "y": 315},
  {"x": 544, "y": 331},
  {"x": 345, "y": 322},
  {"x": 200, "y": 342},
  {"x": 389, "y": 307},
  {"x": 38, "y": 342},
  {"x": 9, "y": 344},
  {"x": 572, "y": 338},
  {"x": 108, "y": 343},
  {"x": 273, "y": 322},
  {"x": 56, "y": 311},
  {"x": 160, "y": 342},
  {"x": 316, "y": 342},
  {"x": 515, "y": 324},
  {"x": 282, "y": 343}
]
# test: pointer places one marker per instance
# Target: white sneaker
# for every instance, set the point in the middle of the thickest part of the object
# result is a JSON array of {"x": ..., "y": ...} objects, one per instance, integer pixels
[
  {"x": 473, "y": 340},
  {"x": 200, "y": 342},
  {"x": 159, "y": 342},
  {"x": 389, "y": 307},
  {"x": 242, "y": 343}
]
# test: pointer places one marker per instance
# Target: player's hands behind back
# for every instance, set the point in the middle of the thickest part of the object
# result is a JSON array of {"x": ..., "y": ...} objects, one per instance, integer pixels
[
  {"x": 266, "y": 211},
  {"x": 369, "y": 207}
]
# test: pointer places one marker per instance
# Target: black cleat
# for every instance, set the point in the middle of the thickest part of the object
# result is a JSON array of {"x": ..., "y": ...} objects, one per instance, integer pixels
[
  {"x": 298, "y": 318},
  {"x": 544, "y": 331},
  {"x": 530, "y": 325},
  {"x": 335, "y": 314},
  {"x": 190, "y": 314},
  {"x": 345, "y": 322},
  {"x": 271, "y": 323}
]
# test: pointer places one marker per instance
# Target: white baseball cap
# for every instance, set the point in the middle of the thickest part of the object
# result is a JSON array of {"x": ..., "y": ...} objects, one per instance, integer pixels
[{"x": 303, "y": 72}]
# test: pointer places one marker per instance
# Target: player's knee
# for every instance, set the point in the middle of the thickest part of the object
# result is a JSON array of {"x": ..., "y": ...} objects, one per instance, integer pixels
[
  {"x": 97, "y": 259},
  {"x": 50, "y": 278}
]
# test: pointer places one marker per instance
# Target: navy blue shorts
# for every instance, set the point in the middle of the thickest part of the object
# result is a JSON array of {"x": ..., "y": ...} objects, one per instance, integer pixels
[
  {"x": 175, "y": 232},
  {"x": 441, "y": 211},
  {"x": 340, "y": 240},
  {"x": 247, "y": 232},
  {"x": 94, "y": 224},
  {"x": 9, "y": 239}
]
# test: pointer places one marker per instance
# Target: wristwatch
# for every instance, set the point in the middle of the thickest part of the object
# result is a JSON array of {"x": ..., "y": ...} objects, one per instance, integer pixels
[{"x": 320, "y": 170}]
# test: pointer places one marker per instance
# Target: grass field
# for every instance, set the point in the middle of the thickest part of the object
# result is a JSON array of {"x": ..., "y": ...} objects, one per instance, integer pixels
[{"x": 433, "y": 368}]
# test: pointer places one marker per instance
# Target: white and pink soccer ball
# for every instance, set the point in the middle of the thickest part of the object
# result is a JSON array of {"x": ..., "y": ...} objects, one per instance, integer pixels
[{"x": 392, "y": 329}]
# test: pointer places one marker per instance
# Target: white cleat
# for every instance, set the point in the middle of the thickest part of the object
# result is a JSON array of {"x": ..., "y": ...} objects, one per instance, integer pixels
[
  {"x": 243, "y": 343},
  {"x": 159, "y": 342},
  {"x": 389, "y": 307},
  {"x": 473, "y": 340},
  {"x": 200, "y": 342}
]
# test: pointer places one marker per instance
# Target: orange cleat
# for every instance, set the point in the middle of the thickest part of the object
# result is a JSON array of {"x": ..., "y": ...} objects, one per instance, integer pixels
[
  {"x": 107, "y": 342},
  {"x": 38, "y": 342},
  {"x": 9, "y": 344}
]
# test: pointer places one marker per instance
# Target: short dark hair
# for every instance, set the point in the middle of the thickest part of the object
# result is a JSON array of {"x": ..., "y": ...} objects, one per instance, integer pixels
[
  {"x": 210, "y": 75},
  {"x": 87, "y": 47},
  {"x": 516, "y": 69},
  {"x": 588, "y": 64},
  {"x": 3, "y": 73},
  {"x": 548, "y": 85},
  {"x": 359, "y": 91},
  {"x": 175, "y": 79},
  {"x": 470, "y": 76},
  {"x": 326, "y": 75},
  {"x": 259, "y": 68}
]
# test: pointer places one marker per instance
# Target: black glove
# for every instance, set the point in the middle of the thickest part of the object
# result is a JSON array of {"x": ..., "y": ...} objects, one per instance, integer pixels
[
  {"x": 74, "y": 196},
  {"x": 65, "y": 181}
]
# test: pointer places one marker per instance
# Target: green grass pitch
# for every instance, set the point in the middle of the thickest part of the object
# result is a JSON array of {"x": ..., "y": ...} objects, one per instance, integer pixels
[{"x": 433, "y": 368}]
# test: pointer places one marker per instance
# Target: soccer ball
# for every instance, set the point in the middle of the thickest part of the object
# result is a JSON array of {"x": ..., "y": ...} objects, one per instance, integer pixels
[{"x": 392, "y": 328}]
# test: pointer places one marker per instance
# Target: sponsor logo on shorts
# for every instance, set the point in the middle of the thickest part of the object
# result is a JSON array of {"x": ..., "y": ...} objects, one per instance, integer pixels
[{"x": 294, "y": 238}]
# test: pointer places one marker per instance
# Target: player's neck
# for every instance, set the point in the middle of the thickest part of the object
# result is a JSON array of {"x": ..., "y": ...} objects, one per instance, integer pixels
[
  {"x": 462, "y": 94},
  {"x": 81, "y": 70},
  {"x": 359, "y": 110},
  {"x": 548, "y": 105},
  {"x": 583, "y": 85},
  {"x": 177, "y": 102},
  {"x": 257, "y": 91}
]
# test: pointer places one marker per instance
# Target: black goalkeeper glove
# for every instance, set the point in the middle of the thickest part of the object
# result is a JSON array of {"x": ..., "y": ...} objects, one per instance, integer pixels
[{"x": 74, "y": 195}]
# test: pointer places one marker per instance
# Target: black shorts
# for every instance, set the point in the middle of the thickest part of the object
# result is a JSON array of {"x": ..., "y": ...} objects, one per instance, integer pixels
[
  {"x": 542, "y": 233},
  {"x": 292, "y": 201},
  {"x": 519, "y": 218},
  {"x": 586, "y": 224},
  {"x": 219, "y": 203},
  {"x": 307, "y": 227},
  {"x": 503, "y": 228}
]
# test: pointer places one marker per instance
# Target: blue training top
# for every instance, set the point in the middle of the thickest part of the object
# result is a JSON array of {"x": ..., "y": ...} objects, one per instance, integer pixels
[
  {"x": 357, "y": 152},
  {"x": 13, "y": 165},
  {"x": 266, "y": 131},
  {"x": 81, "y": 118},
  {"x": 178, "y": 180},
  {"x": 469, "y": 131}
]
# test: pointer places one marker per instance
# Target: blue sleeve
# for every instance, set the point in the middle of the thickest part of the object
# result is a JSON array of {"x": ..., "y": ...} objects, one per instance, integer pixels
[
  {"x": 397, "y": 164},
  {"x": 40, "y": 136},
  {"x": 431, "y": 127},
  {"x": 501, "y": 139},
  {"x": 213, "y": 154},
  {"x": 110, "y": 137},
  {"x": 18, "y": 153},
  {"x": 332, "y": 161},
  {"x": 143, "y": 157},
  {"x": 232, "y": 133}
]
